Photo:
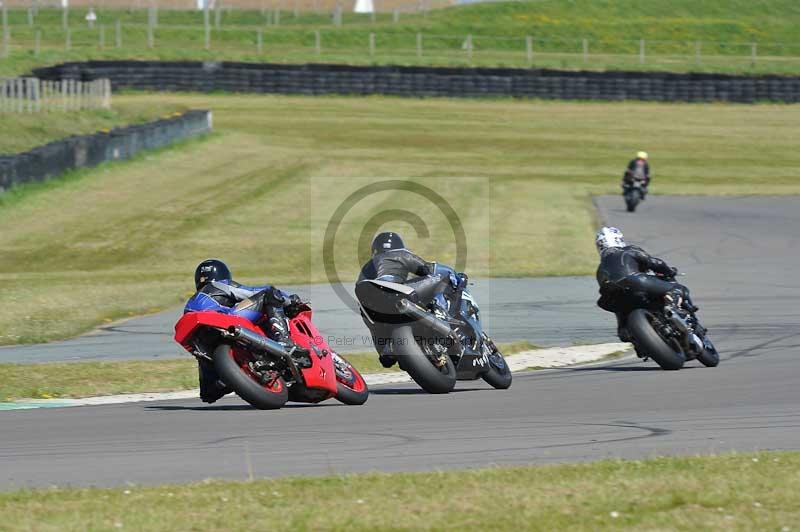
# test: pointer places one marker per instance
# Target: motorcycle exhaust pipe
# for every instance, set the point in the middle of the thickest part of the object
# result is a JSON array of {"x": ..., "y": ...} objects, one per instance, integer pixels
[
  {"x": 257, "y": 341},
  {"x": 411, "y": 310}
]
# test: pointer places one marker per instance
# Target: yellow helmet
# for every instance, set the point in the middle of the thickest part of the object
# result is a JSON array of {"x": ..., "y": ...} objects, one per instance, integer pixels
[{"x": 641, "y": 155}]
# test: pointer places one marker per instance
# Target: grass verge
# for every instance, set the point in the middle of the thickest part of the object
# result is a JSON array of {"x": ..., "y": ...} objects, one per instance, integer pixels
[
  {"x": 259, "y": 193},
  {"x": 759, "y": 491},
  {"x": 21, "y": 132},
  {"x": 88, "y": 379}
]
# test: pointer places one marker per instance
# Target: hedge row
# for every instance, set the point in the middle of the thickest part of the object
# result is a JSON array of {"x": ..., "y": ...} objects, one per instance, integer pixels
[{"x": 428, "y": 81}]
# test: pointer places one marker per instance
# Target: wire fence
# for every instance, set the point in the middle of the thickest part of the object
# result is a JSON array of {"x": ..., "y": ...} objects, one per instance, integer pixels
[
  {"x": 33, "y": 95},
  {"x": 264, "y": 34}
]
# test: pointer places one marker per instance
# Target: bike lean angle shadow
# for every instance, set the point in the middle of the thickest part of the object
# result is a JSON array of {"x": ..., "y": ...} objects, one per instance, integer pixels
[{"x": 444, "y": 219}]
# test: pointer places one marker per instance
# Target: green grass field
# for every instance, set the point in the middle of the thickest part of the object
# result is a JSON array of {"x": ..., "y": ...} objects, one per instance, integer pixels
[
  {"x": 726, "y": 31},
  {"x": 124, "y": 239},
  {"x": 22, "y": 132},
  {"x": 759, "y": 491}
]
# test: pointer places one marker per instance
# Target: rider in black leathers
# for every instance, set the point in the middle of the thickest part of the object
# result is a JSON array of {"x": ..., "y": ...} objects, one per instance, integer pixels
[
  {"x": 622, "y": 275},
  {"x": 392, "y": 262},
  {"x": 218, "y": 292}
]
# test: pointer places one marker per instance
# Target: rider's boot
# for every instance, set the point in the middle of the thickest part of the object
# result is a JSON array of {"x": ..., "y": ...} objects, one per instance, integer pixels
[
  {"x": 279, "y": 332},
  {"x": 211, "y": 388}
]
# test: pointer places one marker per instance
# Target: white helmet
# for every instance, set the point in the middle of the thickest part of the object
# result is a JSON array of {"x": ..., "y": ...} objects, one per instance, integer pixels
[
  {"x": 641, "y": 155},
  {"x": 609, "y": 237}
]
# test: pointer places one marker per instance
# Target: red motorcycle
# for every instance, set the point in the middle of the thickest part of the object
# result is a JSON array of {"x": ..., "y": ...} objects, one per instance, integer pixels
[{"x": 263, "y": 372}]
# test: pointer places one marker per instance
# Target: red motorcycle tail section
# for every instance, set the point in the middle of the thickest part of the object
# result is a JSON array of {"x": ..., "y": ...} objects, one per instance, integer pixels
[
  {"x": 191, "y": 321},
  {"x": 321, "y": 374}
]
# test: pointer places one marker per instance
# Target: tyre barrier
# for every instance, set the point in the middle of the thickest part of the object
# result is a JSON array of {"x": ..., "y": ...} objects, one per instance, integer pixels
[
  {"x": 317, "y": 79},
  {"x": 57, "y": 157}
]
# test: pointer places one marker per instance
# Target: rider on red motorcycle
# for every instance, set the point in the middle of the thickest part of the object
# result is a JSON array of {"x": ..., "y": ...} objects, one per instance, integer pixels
[{"x": 218, "y": 292}]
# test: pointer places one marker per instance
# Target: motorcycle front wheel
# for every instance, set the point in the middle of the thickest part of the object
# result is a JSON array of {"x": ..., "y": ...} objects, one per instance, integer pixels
[
  {"x": 709, "y": 357},
  {"x": 434, "y": 374},
  {"x": 351, "y": 388},
  {"x": 234, "y": 368},
  {"x": 499, "y": 374}
]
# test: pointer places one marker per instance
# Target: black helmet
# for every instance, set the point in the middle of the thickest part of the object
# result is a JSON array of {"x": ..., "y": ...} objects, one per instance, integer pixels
[
  {"x": 211, "y": 270},
  {"x": 386, "y": 241}
]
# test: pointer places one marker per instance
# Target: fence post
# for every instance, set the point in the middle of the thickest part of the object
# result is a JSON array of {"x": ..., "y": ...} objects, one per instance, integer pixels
[
  {"x": 65, "y": 17},
  {"x": 6, "y": 32},
  {"x": 337, "y": 16},
  {"x": 641, "y": 51},
  {"x": 102, "y": 36},
  {"x": 20, "y": 104},
  {"x": 68, "y": 39},
  {"x": 419, "y": 46},
  {"x": 585, "y": 50},
  {"x": 698, "y": 52},
  {"x": 151, "y": 39},
  {"x": 35, "y": 84},
  {"x": 469, "y": 48},
  {"x": 118, "y": 34},
  {"x": 396, "y": 15},
  {"x": 753, "y": 53},
  {"x": 317, "y": 42},
  {"x": 206, "y": 28},
  {"x": 371, "y": 44},
  {"x": 277, "y": 18},
  {"x": 260, "y": 41},
  {"x": 529, "y": 49},
  {"x": 296, "y": 12},
  {"x": 217, "y": 15},
  {"x": 30, "y": 17},
  {"x": 37, "y": 43}
]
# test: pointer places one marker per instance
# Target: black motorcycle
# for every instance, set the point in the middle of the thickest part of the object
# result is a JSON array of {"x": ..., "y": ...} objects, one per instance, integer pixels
[
  {"x": 668, "y": 333},
  {"x": 633, "y": 190},
  {"x": 436, "y": 342}
]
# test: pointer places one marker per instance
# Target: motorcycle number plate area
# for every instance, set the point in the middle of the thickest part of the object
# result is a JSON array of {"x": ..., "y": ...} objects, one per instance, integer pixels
[{"x": 471, "y": 366}]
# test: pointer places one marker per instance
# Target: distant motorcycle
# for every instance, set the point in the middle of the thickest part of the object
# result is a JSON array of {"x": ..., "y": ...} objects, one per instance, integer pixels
[
  {"x": 439, "y": 342},
  {"x": 667, "y": 333},
  {"x": 262, "y": 371},
  {"x": 633, "y": 190}
]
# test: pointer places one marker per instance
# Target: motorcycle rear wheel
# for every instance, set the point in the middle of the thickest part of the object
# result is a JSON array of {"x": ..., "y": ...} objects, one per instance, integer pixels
[
  {"x": 650, "y": 343},
  {"x": 414, "y": 360},
  {"x": 231, "y": 365}
]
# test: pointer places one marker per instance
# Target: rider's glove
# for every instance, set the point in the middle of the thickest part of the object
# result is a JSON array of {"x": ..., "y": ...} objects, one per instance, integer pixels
[{"x": 673, "y": 272}]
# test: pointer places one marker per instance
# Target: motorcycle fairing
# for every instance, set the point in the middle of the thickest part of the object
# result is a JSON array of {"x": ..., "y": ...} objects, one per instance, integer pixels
[
  {"x": 321, "y": 374},
  {"x": 192, "y": 321}
]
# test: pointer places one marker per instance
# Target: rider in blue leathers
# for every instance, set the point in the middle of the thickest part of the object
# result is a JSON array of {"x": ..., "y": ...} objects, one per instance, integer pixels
[{"x": 218, "y": 292}]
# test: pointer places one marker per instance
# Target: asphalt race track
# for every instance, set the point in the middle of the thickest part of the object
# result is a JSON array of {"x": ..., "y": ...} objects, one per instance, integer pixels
[{"x": 741, "y": 258}]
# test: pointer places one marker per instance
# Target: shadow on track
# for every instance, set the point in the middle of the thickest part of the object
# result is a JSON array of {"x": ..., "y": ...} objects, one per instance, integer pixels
[
  {"x": 213, "y": 408},
  {"x": 418, "y": 391}
]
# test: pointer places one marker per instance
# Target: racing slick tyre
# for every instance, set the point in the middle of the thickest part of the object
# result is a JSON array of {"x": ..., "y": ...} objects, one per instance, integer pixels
[
  {"x": 351, "y": 388},
  {"x": 632, "y": 199},
  {"x": 649, "y": 342},
  {"x": 233, "y": 367},
  {"x": 499, "y": 374},
  {"x": 709, "y": 357},
  {"x": 434, "y": 374}
]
